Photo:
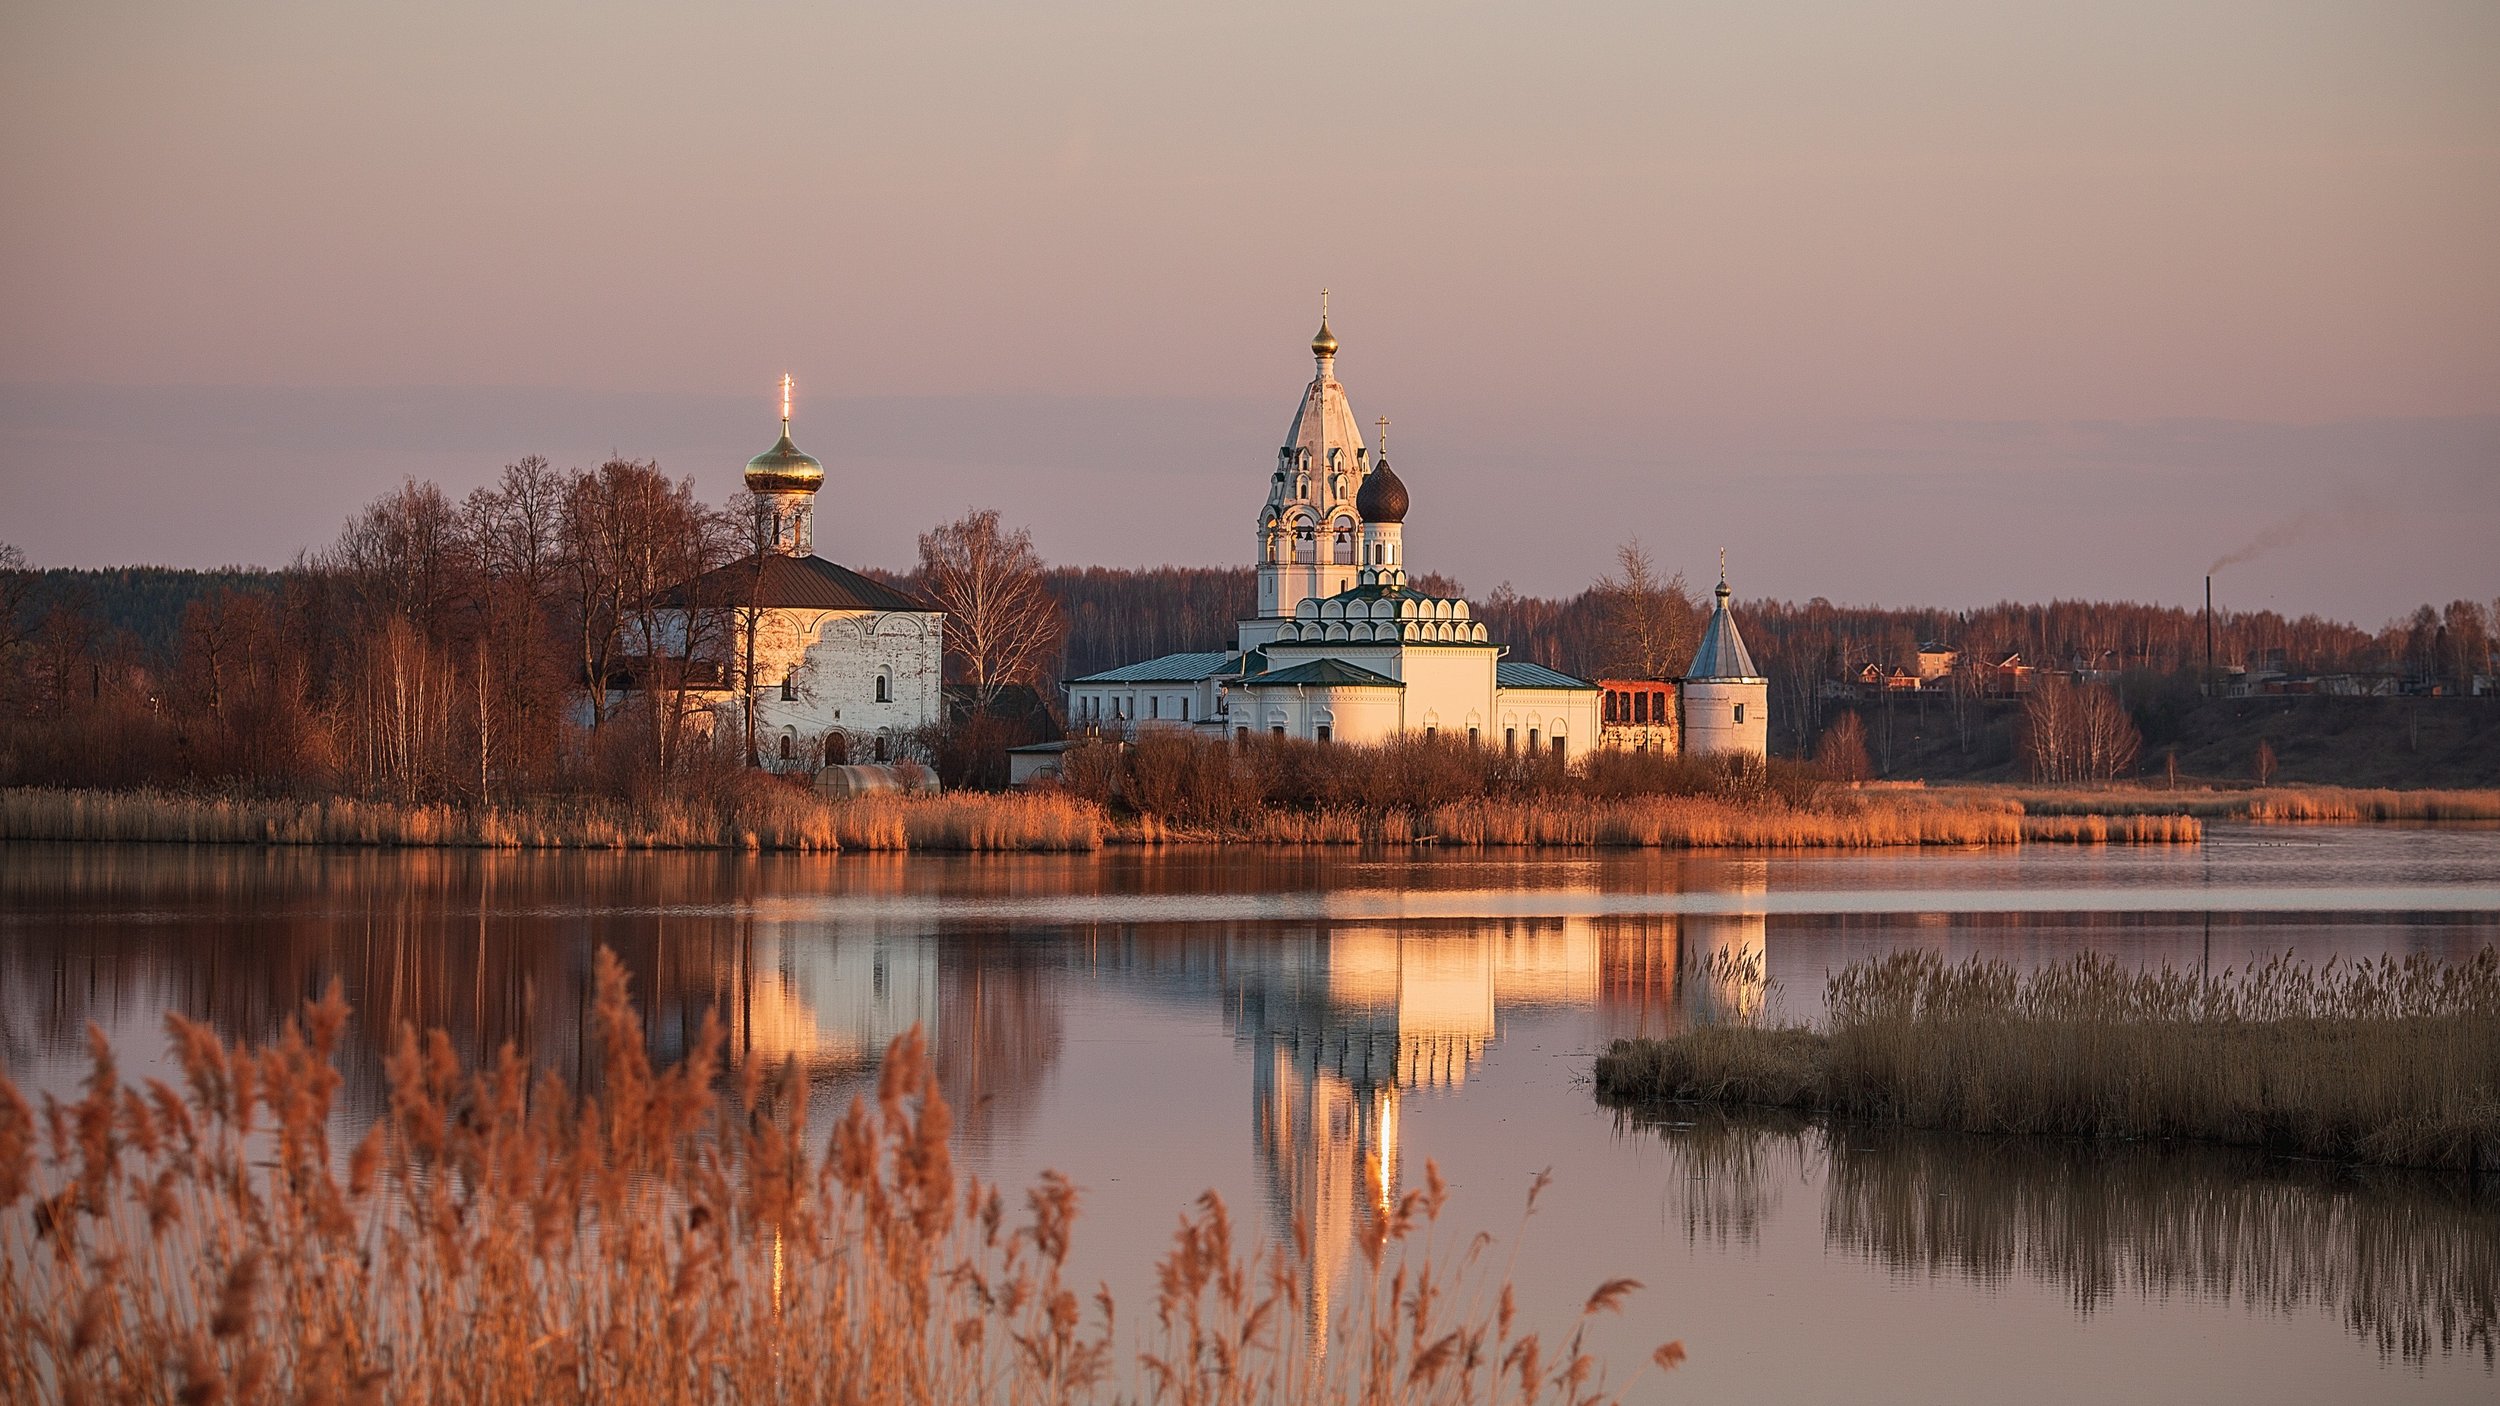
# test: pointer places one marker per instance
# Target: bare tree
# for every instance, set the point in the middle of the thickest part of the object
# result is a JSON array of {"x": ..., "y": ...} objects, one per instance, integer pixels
[
  {"x": 514, "y": 531},
  {"x": 750, "y": 517},
  {"x": 1651, "y": 625},
  {"x": 2077, "y": 734},
  {"x": 17, "y": 585},
  {"x": 406, "y": 555},
  {"x": 1842, "y": 752},
  {"x": 1003, "y": 626}
]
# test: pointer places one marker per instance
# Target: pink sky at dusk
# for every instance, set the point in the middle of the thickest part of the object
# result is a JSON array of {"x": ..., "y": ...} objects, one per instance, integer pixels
[{"x": 1903, "y": 303}]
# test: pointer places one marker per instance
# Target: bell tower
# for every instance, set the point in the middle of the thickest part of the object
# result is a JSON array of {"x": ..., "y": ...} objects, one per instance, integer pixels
[{"x": 1309, "y": 530}]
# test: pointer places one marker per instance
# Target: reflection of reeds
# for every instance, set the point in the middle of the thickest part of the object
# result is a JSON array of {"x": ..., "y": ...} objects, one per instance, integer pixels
[
  {"x": 2407, "y": 1260},
  {"x": 2386, "y": 1062},
  {"x": 1730, "y": 1167},
  {"x": 497, "y": 1238},
  {"x": 767, "y": 817}
]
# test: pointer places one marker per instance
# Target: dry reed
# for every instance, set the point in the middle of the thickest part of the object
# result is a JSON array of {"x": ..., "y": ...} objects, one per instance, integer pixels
[
  {"x": 2279, "y": 805},
  {"x": 777, "y": 817},
  {"x": 2388, "y": 1062},
  {"x": 497, "y": 1237},
  {"x": 765, "y": 817}
]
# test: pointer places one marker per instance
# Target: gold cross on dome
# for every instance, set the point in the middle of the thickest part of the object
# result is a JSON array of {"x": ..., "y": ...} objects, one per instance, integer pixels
[
  {"x": 1383, "y": 422},
  {"x": 785, "y": 402}
]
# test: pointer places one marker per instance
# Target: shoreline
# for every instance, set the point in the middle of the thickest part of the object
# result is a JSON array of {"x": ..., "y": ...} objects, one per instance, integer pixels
[{"x": 789, "y": 820}]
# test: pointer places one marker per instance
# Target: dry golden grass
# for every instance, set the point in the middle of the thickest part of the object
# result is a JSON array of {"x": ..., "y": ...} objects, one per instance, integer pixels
[
  {"x": 2284, "y": 805},
  {"x": 778, "y": 817},
  {"x": 761, "y": 817},
  {"x": 500, "y": 1238},
  {"x": 1883, "y": 820},
  {"x": 2389, "y": 1062}
]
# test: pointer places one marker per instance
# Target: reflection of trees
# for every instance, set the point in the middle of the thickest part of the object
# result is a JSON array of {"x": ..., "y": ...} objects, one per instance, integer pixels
[
  {"x": 2410, "y": 1262},
  {"x": 496, "y": 948}
]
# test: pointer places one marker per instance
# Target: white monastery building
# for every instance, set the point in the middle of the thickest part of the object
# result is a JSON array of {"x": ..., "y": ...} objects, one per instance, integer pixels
[
  {"x": 1343, "y": 649},
  {"x": 846, "y": 669}
]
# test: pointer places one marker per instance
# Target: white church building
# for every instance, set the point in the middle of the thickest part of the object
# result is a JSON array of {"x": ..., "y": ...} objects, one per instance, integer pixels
[
  {"x": 1343, "y": 649},
  {"x": 846, "y": 669}
]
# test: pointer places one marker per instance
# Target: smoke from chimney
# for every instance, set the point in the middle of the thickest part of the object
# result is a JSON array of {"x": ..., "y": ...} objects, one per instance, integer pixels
[{"x": 2354, "y": 514}]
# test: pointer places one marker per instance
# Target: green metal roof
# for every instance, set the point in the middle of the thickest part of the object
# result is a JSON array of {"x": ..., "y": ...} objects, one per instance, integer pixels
[
  {"x": 1519, "y": 673},
  {"x": 1323, "y": 673},
  {"x": 1170, "y": 668}
]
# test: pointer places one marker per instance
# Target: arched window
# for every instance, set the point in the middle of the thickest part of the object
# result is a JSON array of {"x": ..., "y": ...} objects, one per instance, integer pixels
[
  {"x": 882, "y": 744},
  {"x": 790, "y": 686},
  {"x": 837, "y": 749},
  {"x": 789, "y": 747},
  {"x": 885, "y": 687}
]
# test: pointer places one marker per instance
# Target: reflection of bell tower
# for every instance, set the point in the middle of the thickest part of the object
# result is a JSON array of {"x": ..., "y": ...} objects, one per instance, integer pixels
[{"x": 1341, "y": 1027}]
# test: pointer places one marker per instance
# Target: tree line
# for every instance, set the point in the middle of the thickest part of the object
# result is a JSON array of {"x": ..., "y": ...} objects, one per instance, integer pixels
[{"x": 511, "y": 641}]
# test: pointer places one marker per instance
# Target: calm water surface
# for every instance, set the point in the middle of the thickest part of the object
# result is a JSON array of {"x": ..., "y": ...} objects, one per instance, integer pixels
[{"x": 1259, "y": 1022}]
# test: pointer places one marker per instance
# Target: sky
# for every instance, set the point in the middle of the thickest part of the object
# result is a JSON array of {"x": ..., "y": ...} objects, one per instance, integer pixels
[{"x": 1906, "y": 303}]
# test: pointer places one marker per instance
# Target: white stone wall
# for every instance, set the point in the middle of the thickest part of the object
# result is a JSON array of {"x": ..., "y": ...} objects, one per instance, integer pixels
[
  {"x": 834, "y": 660},
  {"x": 1726, "y": 716},
  {"x": 1536, "y": 716},
  {"x": 1447, "y": 689},
  {"x": 1123, "y": 709},
  {"x": 1350, "y": 714}
]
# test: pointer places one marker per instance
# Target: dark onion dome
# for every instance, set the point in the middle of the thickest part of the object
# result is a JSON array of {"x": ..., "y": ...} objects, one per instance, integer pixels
[
  {"x": 1382, "y": 498},
  {"x": 783, "y": 469}
]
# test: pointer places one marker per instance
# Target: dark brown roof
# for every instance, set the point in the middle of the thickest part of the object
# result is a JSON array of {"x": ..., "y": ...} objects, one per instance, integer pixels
[{"x": 794, "y": 583}]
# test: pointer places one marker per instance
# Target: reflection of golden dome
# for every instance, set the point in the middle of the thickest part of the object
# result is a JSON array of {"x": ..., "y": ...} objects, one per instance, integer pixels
[
  {"x": 784, "y": 468},
  {"x": 1325, "y": 344}
]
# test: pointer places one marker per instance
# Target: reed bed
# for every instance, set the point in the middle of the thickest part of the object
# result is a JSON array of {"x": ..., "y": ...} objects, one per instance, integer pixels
[
  {"x": 2388, "y": 1062},
  {"x": 761, "y": 817},
  {"x": 497, "y": 1237},
  {"x": 778, "y": 817},
  {"x": 1674, "y": 822},
  {"x": 2278, "y": 805}
]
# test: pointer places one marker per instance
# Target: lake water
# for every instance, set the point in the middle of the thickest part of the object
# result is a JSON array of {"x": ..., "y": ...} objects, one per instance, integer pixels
[{"x": 1257, "y": 1022}]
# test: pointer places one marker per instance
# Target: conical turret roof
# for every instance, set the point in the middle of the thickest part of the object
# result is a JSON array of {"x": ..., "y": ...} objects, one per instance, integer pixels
[{"x": 1722, "y": 655}]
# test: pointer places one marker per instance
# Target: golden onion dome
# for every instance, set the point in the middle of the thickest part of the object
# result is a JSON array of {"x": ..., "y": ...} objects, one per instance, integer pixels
[
  {"x": 785, "y": 468},
  {"x": 1325, "y": 344}
]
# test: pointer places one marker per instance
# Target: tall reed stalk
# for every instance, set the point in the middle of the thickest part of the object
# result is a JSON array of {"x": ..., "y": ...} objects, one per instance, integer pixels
[{"x": 500, "y": 1238}]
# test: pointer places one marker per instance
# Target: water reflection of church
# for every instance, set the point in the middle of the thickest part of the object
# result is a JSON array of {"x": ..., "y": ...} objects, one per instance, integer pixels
[{"x": 1345, "y": 1023}]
